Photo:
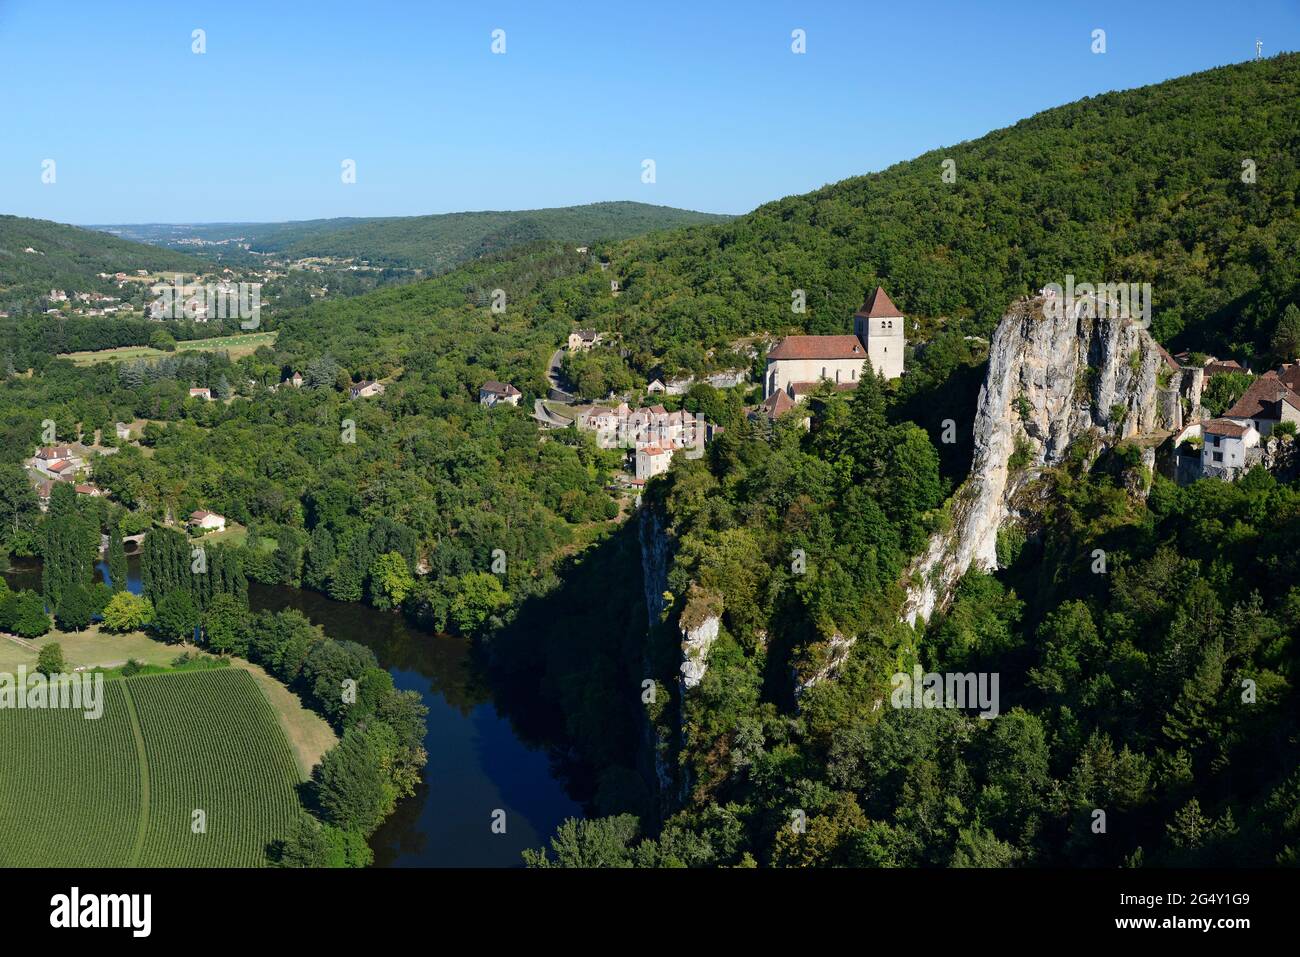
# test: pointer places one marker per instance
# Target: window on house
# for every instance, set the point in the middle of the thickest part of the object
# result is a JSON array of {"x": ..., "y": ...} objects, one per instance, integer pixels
[{"x": 1218, "y": 456}]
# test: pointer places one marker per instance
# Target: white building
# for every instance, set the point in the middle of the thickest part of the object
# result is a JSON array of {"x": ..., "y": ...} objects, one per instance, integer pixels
[
  {"x": 492, "y": 393},
  {"x": 207, "y": 521},
  {"x": 797, "y": 363},
  {"x": 1229, "y": 447},
  {"x": 365, "y": 389},
  {"x": 204, "y": 394},
  {"x": 652, "y": 460}
]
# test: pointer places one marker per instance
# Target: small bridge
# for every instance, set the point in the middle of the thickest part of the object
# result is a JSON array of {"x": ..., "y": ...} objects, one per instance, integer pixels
[{"x": 127, "y": 541}]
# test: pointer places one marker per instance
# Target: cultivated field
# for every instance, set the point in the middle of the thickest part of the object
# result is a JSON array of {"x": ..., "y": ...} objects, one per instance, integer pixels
[
  {"x": 122, "y": 790},
  {"x": 237, "y": 345}
]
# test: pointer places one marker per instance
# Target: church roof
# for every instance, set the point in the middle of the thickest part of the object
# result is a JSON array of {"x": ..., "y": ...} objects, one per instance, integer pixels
[
  {"x": 879, "y": 306},
  {"x": 818, "y": 347}
]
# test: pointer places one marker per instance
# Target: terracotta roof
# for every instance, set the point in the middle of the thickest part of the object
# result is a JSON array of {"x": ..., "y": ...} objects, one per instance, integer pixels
[
  {"x": 58, "y": 465},
  {"x": 818, "y": 347},
  {"x": 1290, "y": 376},
  {"x": 1225, "y": 427},
  {"x": 879, "y": 306},
  {"x": 1219, "y": 367},
  {"x": 200, "y": 514},
  {"x": 499, "y": 388},
  {"x": 1263, "y": 393},
  {"x": 777, "y": 404},
  {"x": 54, "y": 452},
  {"x": 1164, "y": 354}
]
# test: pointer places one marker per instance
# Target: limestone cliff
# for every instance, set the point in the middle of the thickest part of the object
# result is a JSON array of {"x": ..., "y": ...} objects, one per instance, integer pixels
[{"x": 1055, "y": 374}]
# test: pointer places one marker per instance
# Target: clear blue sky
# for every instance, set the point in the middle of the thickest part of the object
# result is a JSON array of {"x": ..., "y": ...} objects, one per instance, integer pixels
[{"x": 144, "y": 130}]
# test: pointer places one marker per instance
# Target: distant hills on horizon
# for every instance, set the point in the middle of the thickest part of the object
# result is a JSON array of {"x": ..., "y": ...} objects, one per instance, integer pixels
[{"x": 429, "y": 243}]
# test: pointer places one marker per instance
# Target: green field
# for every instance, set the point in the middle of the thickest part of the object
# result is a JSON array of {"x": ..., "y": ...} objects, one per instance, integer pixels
[
  {"x": 122, "y": 790},
  {"x": 237, "y": 345}
]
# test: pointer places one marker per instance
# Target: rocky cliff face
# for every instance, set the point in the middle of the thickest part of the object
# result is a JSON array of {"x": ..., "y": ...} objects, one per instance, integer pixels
[{"x": 1054, "y": 376}]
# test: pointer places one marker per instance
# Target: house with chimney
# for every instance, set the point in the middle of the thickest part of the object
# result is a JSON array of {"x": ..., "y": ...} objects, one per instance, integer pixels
[
  {"x": 492, "y": 393},
  {"x": 59, "y": 462},
  {"x": 365, "y": 389},
  {"x": 798, "y": 364}
]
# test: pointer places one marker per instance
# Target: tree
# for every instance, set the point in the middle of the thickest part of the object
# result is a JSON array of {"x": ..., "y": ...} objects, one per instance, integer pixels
[
  {"x": 76, "y": 609},
  {"x": 312, "y": 844},
  {"x": 176, "y": 617},
  {"x": 49, "y": 661},
  {"x": 1286, "y": 338},
  {"x": 31, "y": 620},
  {"x": 390, "y": 580},
  {"x": 353, "y": 790},
  {"x": 288, "y": 557},
  {"x": 226, "y": 625},
  {"x": 320, "y": 558},
  {"x": 127, "y": 612},
  {"x": 117, "y": 567},
  {"x": 479, "y": 595},
  {"x": 19, "y": 509}
]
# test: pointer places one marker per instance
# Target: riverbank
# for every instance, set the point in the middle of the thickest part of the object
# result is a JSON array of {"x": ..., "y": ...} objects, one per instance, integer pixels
[{"x": 485, "y": 754}]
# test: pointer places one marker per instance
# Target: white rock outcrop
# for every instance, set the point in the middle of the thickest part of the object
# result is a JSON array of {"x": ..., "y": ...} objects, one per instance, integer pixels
[{"x": 1053, "y": 376}]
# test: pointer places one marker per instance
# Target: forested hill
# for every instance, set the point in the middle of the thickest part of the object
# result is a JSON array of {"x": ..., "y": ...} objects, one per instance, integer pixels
[
  {"x": 435, "y": 243},
  {"x": 71, "y": 258},
  {"x": 1144, "y": 185}
]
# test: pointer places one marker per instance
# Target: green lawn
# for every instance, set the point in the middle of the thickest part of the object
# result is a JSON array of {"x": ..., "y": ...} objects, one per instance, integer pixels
[
  {"x": 122, "y": 790},
  {"x": 237, "y": 345}
]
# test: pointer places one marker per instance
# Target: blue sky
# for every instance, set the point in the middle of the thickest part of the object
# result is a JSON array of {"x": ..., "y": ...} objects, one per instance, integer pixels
[{"x": 144, "y": 130}]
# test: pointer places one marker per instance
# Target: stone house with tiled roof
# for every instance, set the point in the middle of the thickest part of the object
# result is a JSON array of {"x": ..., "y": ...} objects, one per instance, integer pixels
[{"x": 1268, "y": 401}]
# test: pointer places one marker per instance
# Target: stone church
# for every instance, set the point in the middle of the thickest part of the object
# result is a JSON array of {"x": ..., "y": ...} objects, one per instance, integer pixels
[{"x": 797, "y": 364}]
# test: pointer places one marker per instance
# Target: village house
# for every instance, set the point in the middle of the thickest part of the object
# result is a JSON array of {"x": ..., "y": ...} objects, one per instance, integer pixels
[
  {"x": 207, "y": 521},
  {"x": 1229, "y": 448},
  {"x": 204, "y": 394},
  {"x": 652, "y": 460},
  {"x": 57, "y": 461},
  {"x": 492, "y": 393},
  {"x": 365, "y": 389},
  {"x": 295, "y": 380},
  {"x": 624, "y": 427},
  {"x": 798, "y": 363},
  {"x": 94, "y": 491},
  {"x": 661, "y": 384},
  {"x": 1268, "y": 401},
  {"x": 583, "y": 339}
]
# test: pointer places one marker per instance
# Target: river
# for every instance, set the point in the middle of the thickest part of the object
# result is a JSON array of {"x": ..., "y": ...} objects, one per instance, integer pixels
[{"x": 479, "y": 762}]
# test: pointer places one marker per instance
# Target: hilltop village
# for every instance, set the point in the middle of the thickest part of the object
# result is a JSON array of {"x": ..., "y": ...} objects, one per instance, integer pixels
[{"x": 796, "y": 367}]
